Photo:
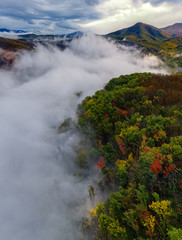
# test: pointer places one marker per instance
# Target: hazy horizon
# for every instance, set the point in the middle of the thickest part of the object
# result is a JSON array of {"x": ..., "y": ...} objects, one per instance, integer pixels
[{"x": 6, "y": 34}]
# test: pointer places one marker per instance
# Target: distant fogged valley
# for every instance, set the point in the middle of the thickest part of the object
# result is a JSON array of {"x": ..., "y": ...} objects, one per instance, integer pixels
[{"x": 42, "y": 196}]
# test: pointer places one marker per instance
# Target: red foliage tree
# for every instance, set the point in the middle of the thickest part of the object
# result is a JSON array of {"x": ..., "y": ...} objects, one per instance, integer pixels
[
  {"x": 124, "y": 113},
  {"x": 101, "y": 163},
  {"x": 166, "y": 169},
  {"x": 169, "y": 169},
  {"x": 156, "y": 166},
  {"x": 122, "y": 146}
]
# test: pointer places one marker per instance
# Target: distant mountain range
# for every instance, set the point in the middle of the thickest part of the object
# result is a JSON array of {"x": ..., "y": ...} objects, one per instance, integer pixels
[
  {"x": 137, "y": 31},
  {"x": 14, "y": 31},
  {"x": 77, "y": 34},
  {"x": 32, "y": 35},
  {"x": 165, "y": 42}
]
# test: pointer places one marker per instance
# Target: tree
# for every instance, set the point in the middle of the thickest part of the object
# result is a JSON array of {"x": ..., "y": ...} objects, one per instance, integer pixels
[
  {"x": 175, "y": 233},
  {"x": 111, "y": 228}
]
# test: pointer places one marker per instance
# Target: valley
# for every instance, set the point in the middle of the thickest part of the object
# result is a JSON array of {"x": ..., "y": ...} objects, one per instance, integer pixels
[{"x": 91, "y": 134}]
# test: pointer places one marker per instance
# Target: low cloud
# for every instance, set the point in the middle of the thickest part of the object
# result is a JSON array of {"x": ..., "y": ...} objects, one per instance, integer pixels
[
  {"x": 41, "y": 199},
  {"x": 12, "y": 35}
]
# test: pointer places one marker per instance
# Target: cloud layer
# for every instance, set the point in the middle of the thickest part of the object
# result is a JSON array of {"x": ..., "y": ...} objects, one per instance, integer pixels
[
  {"x": 99, "y": 16},
  {"x": 41, "y": 199},
  {"x": 116, "y": 14}
]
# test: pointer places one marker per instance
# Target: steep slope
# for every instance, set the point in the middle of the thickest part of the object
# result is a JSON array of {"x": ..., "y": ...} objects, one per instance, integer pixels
[
  {"x": 171, "y": 50},
  {"x": 151, "y": 40},
  {"x": 8, "y": 47},
  {"x": 136, "y": 121},
  {"x": 14, "y": 45},
  {"x": 174, "y": 30}
]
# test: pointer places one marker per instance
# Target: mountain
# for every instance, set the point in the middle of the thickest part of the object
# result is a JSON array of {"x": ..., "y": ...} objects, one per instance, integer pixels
[
  {"x": 77, "y": 34},
  {"x": 151, "y": 40},
  {"x": 174, "y": 30},
  {"x": 4, "y": 30},
  {"x": 28, "y": 42},
  {"x": 32, "y": 37},
  {"x": 140, "y": 31},
  {"x": 14, "y": 31},
  {"x": 60, "y": 41},
  {"x": 147, "y": 38},
  {"x": 45, "y": 37}
]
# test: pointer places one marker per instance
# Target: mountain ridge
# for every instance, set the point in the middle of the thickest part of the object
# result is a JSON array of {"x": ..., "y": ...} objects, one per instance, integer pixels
[
  {"x": 9, "y": 30},
  {"x": 171, "y": 30},
  {"x": 174, "y": 30},
  {"x": 145, "y": 37},
  {"x": 150, "y": 39},
  {"x": 139, "y": 31}
]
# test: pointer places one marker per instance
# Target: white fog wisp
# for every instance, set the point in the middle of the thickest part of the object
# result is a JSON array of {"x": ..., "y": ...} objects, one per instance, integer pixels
[{"x": 40, "y": 197}]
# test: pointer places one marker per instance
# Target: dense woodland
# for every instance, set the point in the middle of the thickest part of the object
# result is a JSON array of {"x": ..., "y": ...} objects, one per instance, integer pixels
[{"x": 134, "y": 124}]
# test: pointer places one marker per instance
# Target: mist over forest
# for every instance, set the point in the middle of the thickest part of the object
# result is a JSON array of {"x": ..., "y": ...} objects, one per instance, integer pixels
[{"x": 42, "y": 198}]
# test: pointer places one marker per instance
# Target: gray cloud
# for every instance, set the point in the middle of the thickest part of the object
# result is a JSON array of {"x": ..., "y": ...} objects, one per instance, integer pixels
[
  {"x": 49, "y": 11},
  {"x": 68, "y": 15},
  {"x": 115, "y": 14},
  {"x": 161, "y": 1},
  {"x": 40, "y": 197}
]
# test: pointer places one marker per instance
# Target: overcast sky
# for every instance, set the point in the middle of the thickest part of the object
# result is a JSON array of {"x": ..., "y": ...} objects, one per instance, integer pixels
[{"x": 97, "y": 16}]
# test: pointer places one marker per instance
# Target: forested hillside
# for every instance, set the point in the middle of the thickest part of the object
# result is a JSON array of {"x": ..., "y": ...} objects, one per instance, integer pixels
[
  {"x": 135, "y": 126},
  {"x": 8, "y": 47},
  {"x": 151, "y": 40}
]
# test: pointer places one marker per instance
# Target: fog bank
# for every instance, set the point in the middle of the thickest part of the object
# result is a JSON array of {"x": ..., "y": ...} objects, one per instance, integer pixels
[{"x": 41, "y": 199}]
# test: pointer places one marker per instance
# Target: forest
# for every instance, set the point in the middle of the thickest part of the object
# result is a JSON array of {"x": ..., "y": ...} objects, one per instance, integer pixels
[{"x": 134, "y": 127}]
